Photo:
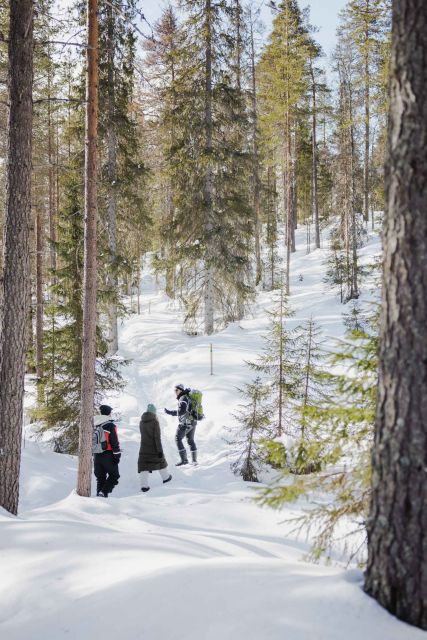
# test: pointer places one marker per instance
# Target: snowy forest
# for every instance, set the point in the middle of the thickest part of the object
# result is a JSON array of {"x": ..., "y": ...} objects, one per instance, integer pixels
[{"x": 208, "y": 208}]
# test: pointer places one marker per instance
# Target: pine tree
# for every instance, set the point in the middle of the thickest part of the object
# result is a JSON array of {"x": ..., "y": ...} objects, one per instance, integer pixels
[
  {"x": 279, "y": 364},
  {"x": 336, "y": 264},
  {"x": 122, "y": 166},
  {"x": 248, "y": 440},
  {"x": 397, "y": 561},
  {"x": 283, "y": 78},
  {"x": 15, "y": 268},
  {"x": 313, "y": 388},
  {"x": 341, "y": 425},
  {"x": 213, "y": 218},
  {"x": 365, "y": 22}
]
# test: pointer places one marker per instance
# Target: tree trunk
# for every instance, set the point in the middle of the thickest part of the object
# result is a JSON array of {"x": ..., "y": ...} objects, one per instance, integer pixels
[
  {"x": 52, "y": 212},
  {"x": 113, "y": 340},
  {"x": 39, "y": 300},
  {"x": 315, "y": 195},
  {"x": 255, "y": 151},
  {"x": 209, "y": 300},
  {"x": 354, "y": 289},
  {"x": 367, "y": 91},
  {"x": 396, "y": 572},
  {"x": 89, "y": 275},
  {"x": 16, "y": 264}
]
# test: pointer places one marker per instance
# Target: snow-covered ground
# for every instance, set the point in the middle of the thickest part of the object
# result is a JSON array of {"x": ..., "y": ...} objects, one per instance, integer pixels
[{"x": 195, "y": 558}]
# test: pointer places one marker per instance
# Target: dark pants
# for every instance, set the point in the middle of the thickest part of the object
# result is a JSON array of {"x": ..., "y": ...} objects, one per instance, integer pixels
[
  {"x": 188, "y": 432},
  {"x": 106, "y": 472}
]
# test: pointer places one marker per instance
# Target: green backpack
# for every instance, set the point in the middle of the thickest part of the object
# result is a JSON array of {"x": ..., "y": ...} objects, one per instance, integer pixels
[{"x": 196, "y": 410}]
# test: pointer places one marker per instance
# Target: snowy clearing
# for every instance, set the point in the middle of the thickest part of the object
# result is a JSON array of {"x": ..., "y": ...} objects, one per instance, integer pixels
[{"x": 195, "y": 558}]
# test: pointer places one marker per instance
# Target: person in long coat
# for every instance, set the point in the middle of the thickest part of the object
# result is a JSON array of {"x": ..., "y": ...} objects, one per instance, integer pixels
[{"x": 151, "y": 456}]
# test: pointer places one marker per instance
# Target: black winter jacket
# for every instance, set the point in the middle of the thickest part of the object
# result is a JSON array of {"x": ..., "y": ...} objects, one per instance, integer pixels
[
  {"x": 151, "y": 457},
  {"x": 183, "y": 412}
]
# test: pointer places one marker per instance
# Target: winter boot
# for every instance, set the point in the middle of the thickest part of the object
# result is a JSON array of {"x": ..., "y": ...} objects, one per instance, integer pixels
[
  {"x": 168, "y": 479},
  {"x": 194, "y": 456},
  {"x": 102, "y": 494},
  {"x": 184, "y": 459},
  {"x": 144, "y": 489}
]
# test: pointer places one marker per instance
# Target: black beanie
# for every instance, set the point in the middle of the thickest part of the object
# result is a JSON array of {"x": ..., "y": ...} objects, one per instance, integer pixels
[{"x": 105, "y": 410}]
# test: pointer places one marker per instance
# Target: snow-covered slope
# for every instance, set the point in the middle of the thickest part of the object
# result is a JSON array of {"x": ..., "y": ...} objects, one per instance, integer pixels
[{"x": 195, "y": 558}]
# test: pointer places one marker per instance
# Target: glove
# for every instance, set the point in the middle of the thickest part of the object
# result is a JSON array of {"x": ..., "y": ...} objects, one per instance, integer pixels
[
  {"x": 160, "y": 454},
  {"x": 168, "y": 412},
  {"x": 116, "y": 458}
]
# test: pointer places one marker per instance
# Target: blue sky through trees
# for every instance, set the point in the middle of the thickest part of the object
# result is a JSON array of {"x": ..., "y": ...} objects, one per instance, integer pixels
[{"x": 324, "y": 15}]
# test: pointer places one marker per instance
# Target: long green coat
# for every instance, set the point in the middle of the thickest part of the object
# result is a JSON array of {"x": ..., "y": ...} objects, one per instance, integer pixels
[{"x": 151, "y": 444}]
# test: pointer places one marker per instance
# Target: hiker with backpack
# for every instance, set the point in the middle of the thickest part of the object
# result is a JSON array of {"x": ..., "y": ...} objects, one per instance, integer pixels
[
  {"x": 106, "y": 450},
  {"x": 187, "y": 421},
  {"x": 151, "y": 456}
]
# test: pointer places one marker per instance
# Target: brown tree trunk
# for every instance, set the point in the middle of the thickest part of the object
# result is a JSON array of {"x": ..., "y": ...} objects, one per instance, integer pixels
[
  {"x": 396, "y": 572},
  {"x": 16, "y": 264},
  {"x": 52, "y": 212},
  {"x": 39, "y": 299},
  {"x": 367, "y": 96},
  {"x": 89, "y": 276},
  {"x": 113, "y": 340},
  {"x": 255, "y": 151},
  {"x": 315, "y": 196}
]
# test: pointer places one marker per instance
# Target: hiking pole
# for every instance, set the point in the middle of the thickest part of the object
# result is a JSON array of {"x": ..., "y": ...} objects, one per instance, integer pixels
[{"x": 211, "y": 350}]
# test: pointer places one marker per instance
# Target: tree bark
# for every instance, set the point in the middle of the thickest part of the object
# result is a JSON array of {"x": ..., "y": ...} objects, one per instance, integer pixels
[
  {"x": 315, "y": 196},
  {"x": 113, "y": 340},
  {"x": 209, "y": 301},
  {"x": 396, "y": 572},
  {"x": 367, "y": 100},
  {"x": 89, "y": 276},
  {"x": 16, "y": 264},
  {"x": 39, "y": 299},
  {"x": 52, "y": 212},
  {"x": 255, "y": 151}
]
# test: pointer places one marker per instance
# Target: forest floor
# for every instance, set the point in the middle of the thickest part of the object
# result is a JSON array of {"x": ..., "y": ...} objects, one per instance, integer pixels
[{"x": 194, "y": 559}]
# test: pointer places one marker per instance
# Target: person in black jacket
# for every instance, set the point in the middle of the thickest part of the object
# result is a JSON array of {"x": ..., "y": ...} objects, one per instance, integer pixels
[
  {"x": 106, "y": 464},
  {"x": 186, "y": 425},
  {"x": 151, "y": 456}
]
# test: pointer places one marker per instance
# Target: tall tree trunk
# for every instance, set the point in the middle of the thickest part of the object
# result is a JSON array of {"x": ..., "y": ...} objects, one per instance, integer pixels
[
  {"x": 16, "y": 264},
  {"x": 89, "y": 275},
  {"x": 39, "y": 299},
  {"x": 52, "y": 212},
  {"x": 113, "y": 340},
  {"x": 255, "y": 151},
  {"x": 288, "y": 194},
  {"x": 354, "y": 288},
  {"x": 396, "y": 572},
  {"x": 315, "y": 195},
  {"x": 294, "y": 183},
  {"x": 367, "y": 91},
  {"x": 209, "y": 294},
  {"x": 281, "y": 349}
]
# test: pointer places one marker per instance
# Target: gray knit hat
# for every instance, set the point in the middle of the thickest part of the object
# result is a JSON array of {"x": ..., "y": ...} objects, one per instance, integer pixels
[{"x": 151, "y": 408}]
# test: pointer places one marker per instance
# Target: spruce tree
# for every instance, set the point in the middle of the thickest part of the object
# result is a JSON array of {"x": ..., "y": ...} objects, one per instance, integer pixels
[
  {"x": 341, "y": 425},
  {"x": 254, "y": 428},
  {"x": 122, "y": 165},
  {"x": 278, "y": 363},
  {"x": 213, "y": 218}
]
